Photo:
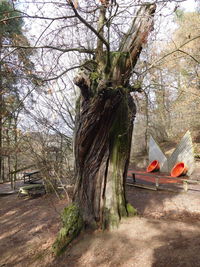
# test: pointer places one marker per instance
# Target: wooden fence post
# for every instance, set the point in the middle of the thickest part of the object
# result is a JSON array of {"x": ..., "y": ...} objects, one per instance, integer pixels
[
  {"x": 157, "y": 182},
  {"x": 185, "y": 186}
]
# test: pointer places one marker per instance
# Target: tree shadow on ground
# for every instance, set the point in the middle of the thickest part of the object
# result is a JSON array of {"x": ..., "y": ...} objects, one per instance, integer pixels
[
  {"x": 162, "y": 204},
  {"x": 29, "y": 227},
  {"x": 26, "y": 227},
  {"x": 147, "y": 201},
  {"x": 98, "y": 249},
  {"x": 138, "y": 242},
  {"x": 180, "y": 246},
  {"x": 151, "y": 203}
]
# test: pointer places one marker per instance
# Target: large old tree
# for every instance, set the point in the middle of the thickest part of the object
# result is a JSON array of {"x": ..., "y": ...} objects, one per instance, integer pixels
[{"x": 104, "y": 123}]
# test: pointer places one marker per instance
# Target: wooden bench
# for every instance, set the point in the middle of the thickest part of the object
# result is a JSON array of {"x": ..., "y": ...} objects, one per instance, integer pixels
[
  {"x": 157, "y": 176},
  {"x": 29, "y": 177}
]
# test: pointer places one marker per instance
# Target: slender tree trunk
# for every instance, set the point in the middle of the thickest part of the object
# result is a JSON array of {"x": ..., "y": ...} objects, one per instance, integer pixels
[
  {"x": 1, "y": 117},
  {"x": 16, "y": 148},
  {"x": 9, "y": 167},
  {"x": 8, "y": 148},
  {"x": 3, "y": 170}
]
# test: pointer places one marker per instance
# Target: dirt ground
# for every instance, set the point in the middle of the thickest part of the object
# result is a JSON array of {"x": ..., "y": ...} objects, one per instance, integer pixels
[{"x": 165, "y": 233}]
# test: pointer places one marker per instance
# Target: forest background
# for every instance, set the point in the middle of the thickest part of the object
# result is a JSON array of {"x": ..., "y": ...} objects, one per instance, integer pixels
[{"x": 38, "y": 96}]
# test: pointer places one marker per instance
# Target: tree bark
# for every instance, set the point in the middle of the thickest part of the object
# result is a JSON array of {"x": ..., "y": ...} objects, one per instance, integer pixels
[
  {"x": 103, "y": 131},
  {"x": 1, "y": 117},
  {"x": 102, "y": 149}
]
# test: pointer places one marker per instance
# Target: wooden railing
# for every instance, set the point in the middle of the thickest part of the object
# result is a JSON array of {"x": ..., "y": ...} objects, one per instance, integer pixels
[{"x": 185, "y": 181}]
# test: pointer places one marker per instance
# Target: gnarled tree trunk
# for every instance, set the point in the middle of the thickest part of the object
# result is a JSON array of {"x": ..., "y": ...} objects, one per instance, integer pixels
[
  {"x": 104, "y": 125},
  {"x": 102, "y": 149}
]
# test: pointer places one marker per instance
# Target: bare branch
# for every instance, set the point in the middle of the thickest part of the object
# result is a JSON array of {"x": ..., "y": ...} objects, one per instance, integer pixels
[
  {"x": 35, "y": 17},
  {"x": 132, "y": 43},
  {"x": 184, "y": 52},
  {"x": 64, "y": 50},
  {"x": 89, "y": 26},
  {"x": 172, "y": 52},
  {"x": 61, "y": 74}
]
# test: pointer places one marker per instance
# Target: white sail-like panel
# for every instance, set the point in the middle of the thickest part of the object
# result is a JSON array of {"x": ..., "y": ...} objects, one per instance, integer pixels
[
  {"x": 155, "y": 153},
  {"x": 184, "y": 152}
]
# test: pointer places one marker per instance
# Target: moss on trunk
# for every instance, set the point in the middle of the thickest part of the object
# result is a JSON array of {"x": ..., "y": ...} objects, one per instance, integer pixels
[
  {"x": 120, "y": 142},
  {"x": 131, "y": 210},
  {"x": 72, "y": 224}
]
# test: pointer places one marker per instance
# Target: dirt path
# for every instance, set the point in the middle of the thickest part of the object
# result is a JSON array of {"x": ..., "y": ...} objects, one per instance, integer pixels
[
  {"x": 166, "y": 205},
  {"x": 27, "y": 228},
  {"x": 138, "y": 242},
  {"x": 166, "y": 233}
]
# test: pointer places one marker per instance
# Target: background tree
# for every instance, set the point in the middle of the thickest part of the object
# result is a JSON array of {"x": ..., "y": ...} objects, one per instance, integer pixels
[
  {"x": 172, "y": 86},
  {"x": 14, "y": 64}
]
